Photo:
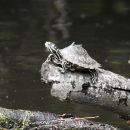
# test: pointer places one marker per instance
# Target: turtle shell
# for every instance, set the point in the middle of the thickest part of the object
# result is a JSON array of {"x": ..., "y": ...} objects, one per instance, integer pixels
[{"x": 77, "y": 55}]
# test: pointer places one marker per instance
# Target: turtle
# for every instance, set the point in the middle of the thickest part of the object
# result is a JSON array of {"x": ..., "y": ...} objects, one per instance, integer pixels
[{"x": 74, "y": 57}]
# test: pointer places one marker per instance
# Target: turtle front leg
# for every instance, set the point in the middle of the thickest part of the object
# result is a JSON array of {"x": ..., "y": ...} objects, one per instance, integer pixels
[
  {"x": 94, "y": 75},
  {"x": 65, "y": 66},
  {"x": 50, "y": 58}
]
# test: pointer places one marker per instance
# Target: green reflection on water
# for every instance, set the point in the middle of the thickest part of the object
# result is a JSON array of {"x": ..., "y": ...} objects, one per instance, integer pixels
[{"x": 119, "y": 51}]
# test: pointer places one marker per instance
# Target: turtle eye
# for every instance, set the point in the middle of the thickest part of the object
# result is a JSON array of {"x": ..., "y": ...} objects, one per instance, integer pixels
[
  {"x": 54, "y": 47},
  {"x": 51, "y": 45}
]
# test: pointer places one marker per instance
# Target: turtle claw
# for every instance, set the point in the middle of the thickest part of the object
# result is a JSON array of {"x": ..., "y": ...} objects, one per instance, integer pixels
[{"x": 62, "y": 70}]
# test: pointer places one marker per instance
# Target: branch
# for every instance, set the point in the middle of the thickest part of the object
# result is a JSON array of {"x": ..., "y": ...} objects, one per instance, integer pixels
[{"x": 32, "y": 120}]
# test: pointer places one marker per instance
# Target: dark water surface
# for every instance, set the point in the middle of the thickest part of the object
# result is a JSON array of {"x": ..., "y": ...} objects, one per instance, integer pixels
[{"x": 103, "y": 27}]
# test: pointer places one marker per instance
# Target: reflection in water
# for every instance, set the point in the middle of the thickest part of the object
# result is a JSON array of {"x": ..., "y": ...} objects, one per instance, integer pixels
[
  {"x": 56, "y": 21},
  {"x": 61, "y": 23},
  {"x": 103, "y": 27}
]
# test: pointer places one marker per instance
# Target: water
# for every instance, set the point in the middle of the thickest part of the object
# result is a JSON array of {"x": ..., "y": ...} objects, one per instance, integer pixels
[{"x": 102, "y": 27}]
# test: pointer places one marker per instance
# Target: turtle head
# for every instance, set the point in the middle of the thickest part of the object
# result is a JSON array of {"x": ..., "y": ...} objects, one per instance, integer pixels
[{"x": 52, "y": 48}]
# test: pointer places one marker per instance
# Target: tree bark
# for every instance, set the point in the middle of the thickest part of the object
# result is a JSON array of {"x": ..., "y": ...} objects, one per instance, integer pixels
[{"x": 111, "y": 90}]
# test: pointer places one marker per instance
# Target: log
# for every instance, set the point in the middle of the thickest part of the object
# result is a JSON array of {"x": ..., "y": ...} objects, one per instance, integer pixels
[
  {"x": 35, "y": 120},
  {"x": 111, "y": 90}
]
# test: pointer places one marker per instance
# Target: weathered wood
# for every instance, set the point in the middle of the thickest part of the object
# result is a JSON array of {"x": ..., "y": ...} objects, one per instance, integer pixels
[
  {"x": 32, "y": 120},
  {"x": 111, "y": 90}
]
